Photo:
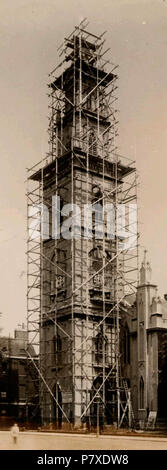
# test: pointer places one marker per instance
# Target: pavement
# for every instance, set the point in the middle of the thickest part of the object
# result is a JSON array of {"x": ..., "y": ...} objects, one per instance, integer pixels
[{"x": 65, "y": 441}]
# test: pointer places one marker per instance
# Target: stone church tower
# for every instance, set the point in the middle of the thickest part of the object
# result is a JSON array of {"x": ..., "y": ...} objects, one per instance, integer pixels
[
  {"x": 83, "y": 265},
  {"x": 148, "y": 348}
]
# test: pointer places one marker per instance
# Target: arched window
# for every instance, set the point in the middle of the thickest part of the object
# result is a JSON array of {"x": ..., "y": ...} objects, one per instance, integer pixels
[
  {"x": 141, "y": 393},
  {"x": 97, "y": 214},
  {"x": 97, "y": 257},
  {"x": 105, "y": 411}
]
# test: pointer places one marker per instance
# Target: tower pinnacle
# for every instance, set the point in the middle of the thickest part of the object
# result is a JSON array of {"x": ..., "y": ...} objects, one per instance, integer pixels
[{"x": 145, "y": 271}]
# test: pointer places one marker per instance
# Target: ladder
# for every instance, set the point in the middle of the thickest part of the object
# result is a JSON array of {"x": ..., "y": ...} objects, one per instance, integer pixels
[{"x": 128, "y": 406}]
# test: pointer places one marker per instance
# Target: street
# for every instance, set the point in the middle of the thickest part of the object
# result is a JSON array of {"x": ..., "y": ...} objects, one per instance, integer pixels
[{"x": 62, "y": 441}]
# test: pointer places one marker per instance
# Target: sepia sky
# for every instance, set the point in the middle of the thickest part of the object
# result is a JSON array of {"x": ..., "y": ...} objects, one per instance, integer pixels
[{"x": 30, "y": 32}]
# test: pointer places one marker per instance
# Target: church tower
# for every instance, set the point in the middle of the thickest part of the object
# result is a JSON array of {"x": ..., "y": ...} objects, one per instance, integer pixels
[
  {"x": 151, "y": 343},
  {"x": 85, "y": 244}
]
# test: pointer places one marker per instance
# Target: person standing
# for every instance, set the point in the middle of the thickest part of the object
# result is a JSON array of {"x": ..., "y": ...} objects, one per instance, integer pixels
[{"x": 15, "y": 433}]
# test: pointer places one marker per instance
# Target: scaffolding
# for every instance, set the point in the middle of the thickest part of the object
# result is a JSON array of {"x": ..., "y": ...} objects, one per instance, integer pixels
[{"x": 81, "y": 259}]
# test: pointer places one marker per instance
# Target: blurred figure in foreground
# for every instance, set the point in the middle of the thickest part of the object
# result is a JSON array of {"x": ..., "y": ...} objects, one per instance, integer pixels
[{"x": 15, "y": 433}]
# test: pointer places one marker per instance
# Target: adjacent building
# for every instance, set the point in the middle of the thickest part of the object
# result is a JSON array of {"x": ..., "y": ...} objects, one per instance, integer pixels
[
  {"x": 144, "y": 347},
  {"x": 15, "y": 375}
]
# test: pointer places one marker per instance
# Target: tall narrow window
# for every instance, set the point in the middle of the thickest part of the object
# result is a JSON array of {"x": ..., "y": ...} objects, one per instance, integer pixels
[
  {"x": 141, "y": 339},
  {"x": 141, "y": 393},
  {"x": 96, "y": 263},
  {"x": 58, "y": 274},
  {"x": 93, "y": 143},
  {"x": 101, "y": 344},
  {"x": 126, "y": 345},
  {"x": 57, "y": 348}
]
